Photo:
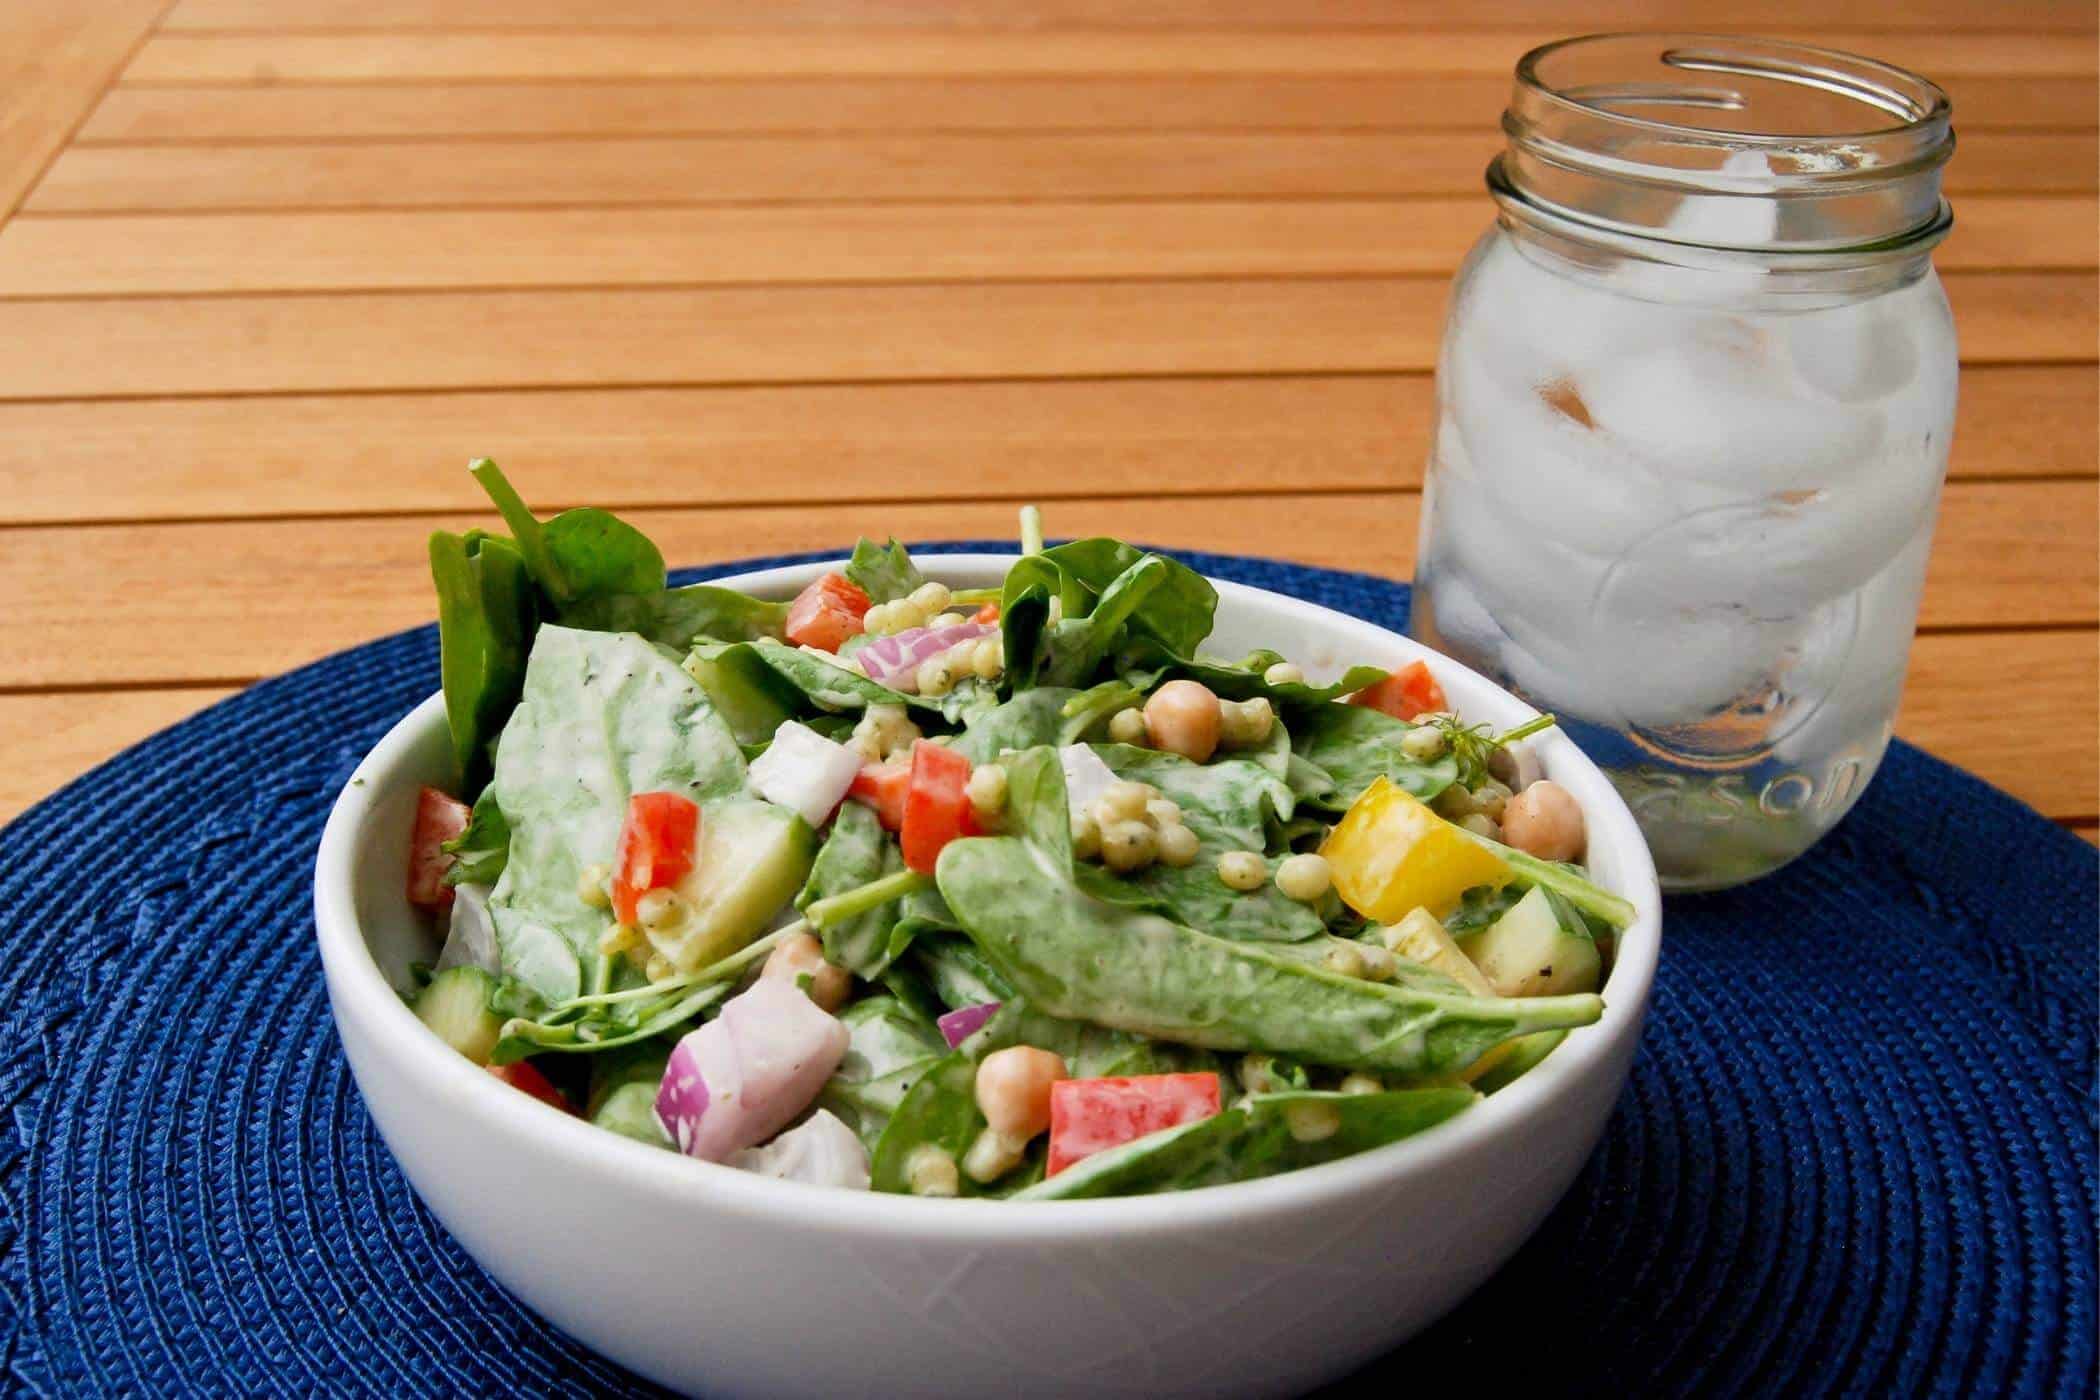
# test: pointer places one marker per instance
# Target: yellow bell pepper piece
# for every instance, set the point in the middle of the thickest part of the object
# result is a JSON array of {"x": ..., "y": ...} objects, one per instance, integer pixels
[{"x": 1390, "y": 854}]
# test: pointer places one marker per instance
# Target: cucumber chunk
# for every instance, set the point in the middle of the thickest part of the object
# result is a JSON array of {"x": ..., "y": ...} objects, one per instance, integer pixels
[
  {"x": 753, "y": 858},
  {"x": 456, "y": 1006},
  {"x": 1526, "y": 953}
]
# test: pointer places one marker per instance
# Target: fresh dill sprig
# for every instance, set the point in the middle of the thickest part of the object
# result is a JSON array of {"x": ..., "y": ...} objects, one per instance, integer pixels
[{"x": 1473, "y": 746}]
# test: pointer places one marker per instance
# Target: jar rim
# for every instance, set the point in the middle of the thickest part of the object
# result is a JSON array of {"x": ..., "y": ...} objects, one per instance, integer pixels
[{"x": 1605, "y": 140}]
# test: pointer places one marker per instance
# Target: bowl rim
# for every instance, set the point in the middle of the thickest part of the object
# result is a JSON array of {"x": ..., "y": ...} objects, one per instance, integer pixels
[{"x": 359, "y": 989}]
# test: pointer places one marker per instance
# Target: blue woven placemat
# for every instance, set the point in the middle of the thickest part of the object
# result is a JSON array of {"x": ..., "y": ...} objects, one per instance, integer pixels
[{"x": 1857, "y": 1154}]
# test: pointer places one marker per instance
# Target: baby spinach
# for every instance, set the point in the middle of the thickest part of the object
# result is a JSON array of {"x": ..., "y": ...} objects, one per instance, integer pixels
[
  {"x": 680, "y": 618},
  {"x": 1254, "y": 1138},
  {"x": 1352, "y": 745},
  {"x": 940, "y": 1113},
  {"x": 959, "y": 974},
  {"x": 856, "y": 852},
  {"x": 882, "y": 571},
  {"x": 579, "y": 554},
  {"x": 1145, "y": 663},
  {"x": 1080, "y": 958},
  {"x": 1032, "y": 718},
  {"x": 603, "y": 716},
  {"x": 480, "y": 852},
  {"x": 623, "y": 1084},
  {"x": 486, "y": 617},
  {"x": 1481, "y": 906},
  {"x": 1177, "y": 610},
  {"x": 829, "y": 686}
]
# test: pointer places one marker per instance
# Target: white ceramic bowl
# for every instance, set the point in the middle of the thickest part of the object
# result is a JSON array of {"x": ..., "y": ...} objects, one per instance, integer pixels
[{"x": 705, "y": 1278}]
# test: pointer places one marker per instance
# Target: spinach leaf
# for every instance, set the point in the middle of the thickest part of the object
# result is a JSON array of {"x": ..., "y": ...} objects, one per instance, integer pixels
[
  {"x": 920, "y": 914},
  {"x": 1254, "y": 1139},
  {"x": 1178, "y": 611},
  {"x": 624, "y": 1025},
  {"x": 1145, "y": 663},
  {"x": 857, "y": 851},
  {"x": 885, "y": 1035},
  {"x": 486, "y": 616},
  {"x": 1024, "y": 616},
  {"x": 959, "y": 974},
  {"x": 750, "y": 696},
  {"x": 579, "y": 554},
  {"x": 480, "y": 852},
  {"x": 1031, "y": 718},
  {"x": 829, "y": 686},
  {"x": 1089, "y": 1051},
  {"x": 1229, "y": 804},
  {"x": 939, "y": 1113},
  {"x": 884, "y": 572},
  {"x": 867, "y": 1105},
  {"x": 1481, "y": 906},
  {"x": 1082, "y": 959},
  {"x": 680, "y": 618},
  {"x": 1074, "y": 649},
  {"x": 623, "y": 1091},
  {"x": 603, "y": 716},
  {"x": 1353, "y": 745}
]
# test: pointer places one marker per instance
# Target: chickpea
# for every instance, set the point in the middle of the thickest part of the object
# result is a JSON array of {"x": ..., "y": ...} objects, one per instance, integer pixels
[
  {"x": 1361, "y": 1084},
  {"x": 1544, "y": 820},
  {"x": 1423, "y": 744},
  {"x": 1245, "y": 723},
  {"x": 1128, "y": 846},
  {"x": 1013, "y": 1089},
  {"x": 1086, "y": 837},
  {"x": 802, "y": 954},
  {"x": 1121, "y": 802},
  {"x": 1162, "y": 812},
  {"x": 987, "y": 791},
  {"x": 1345, "y": 959},
  {"x": 1244, "y": 871},
  {"x": 1183, "y": 717},
  {"x": 1127, "y": 727},
  {"x": 1284, "y": 673},
  {"x": 1304, "y": 877},
  {"x": 1312, "y": 1121},
  {"x": 1177, "y": 846}
]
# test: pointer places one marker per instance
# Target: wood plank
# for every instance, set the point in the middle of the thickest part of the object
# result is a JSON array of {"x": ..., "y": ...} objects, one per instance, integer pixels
[
  {"x": 462, "y": 340},
  {"x": 464, "y": 56},
  {"x": 2047, "y": 15},
  {"x": 2044, "y": 691},
  {"x": 52, "y": 739},
  {"x": 54, "y": 63},
  {"x": 336, "y": 455},
  {"x": 156, "y": 254},
  {"x": 351, "y": 112},
  {"x": 853, "y": 168},
  {"x": 2008, "y": 554},
  {"x": 207, "y": 601},
  {"x": 2084, "y": 830}
]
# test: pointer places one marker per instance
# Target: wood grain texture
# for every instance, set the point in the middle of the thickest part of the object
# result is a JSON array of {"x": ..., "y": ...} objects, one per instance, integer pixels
[
  {"x": 2045, "y": 688},
  {"x": 462, "y": 56},
  {"x": 54, "y": 62},
  {"x": 858, "y": 169},
  {"x": 340, "y": 455},
  {"x": 157, "y": 254},
  {"x": 208, "y": 601},
  {"x": 504, "y": 339},
  {"x": 52, "y": 739},
  {"x": 1462, "y": 103},
  {"x": 1572, "y": 17}
]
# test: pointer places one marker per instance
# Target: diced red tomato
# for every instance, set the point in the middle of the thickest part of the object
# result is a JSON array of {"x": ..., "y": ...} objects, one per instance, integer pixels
[
  {"x": 883, "y": 786},
  {"x": 827, "y": 612},
  {"x": 989, "y": 613},
  {"x": 1093, "y": 1115},
  {"x": 525, "y": 1077},
  {"x": 937, "y": 806},
  {"x": 439, "y": 818},
  {"x": 1408, "y": 692},
  {"x": 656, "y": 847}
]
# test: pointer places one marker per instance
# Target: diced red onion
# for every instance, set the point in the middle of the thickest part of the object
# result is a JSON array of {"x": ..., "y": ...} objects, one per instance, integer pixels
[
  {"x": 804, "y": 772},
  {"x": 894, "y": 660},
  {"x": 822, "y": 1152},
  {"x": 744, "y": 1076},
  {"x": 958, "y": 1026}
]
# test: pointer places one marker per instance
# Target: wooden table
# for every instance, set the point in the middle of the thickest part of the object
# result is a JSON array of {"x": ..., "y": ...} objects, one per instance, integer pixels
[{"x": 765, "y": 273}]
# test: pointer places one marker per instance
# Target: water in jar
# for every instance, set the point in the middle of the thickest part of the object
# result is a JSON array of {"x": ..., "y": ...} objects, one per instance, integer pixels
[{"x": 1691, "y": 518}]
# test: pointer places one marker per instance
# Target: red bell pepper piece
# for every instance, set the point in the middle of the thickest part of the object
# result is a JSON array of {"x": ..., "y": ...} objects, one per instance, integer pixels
[
  {"x": 1093, "y": 1115},
  {"x": 1406, "y": 693},
  {"x": 656, "y": 848},
  {"x": 439, "y": 818},
  {"x": 936, "y": 806},
  {"x": 827, "y": 612}
]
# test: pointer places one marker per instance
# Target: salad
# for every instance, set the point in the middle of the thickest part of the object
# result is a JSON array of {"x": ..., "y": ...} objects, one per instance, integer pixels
[{"x": 1005, "y": 892}]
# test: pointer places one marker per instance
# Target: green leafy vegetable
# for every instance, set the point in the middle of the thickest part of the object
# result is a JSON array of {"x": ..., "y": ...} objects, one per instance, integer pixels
[
  {"x": 680, "y": 618},
  {"x": 1177, "y": 611},
  {"x": 579, "y": 554},
  {"x": 1261, "y": 1136},
  {"x": 1353, "y": 745},
  {"x": 884, "y": 572},
  {"x": 486, "y": 616},
  {"x": 857, "y": 852},
  {"x": 1077, "y": 957},
  {"x": 480, "y": 852}
]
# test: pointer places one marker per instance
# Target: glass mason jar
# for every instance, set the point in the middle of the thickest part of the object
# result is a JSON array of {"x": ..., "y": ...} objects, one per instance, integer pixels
[{"x": 1694, "y": 404}]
